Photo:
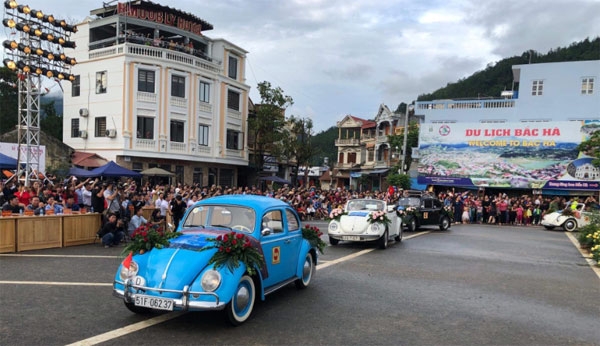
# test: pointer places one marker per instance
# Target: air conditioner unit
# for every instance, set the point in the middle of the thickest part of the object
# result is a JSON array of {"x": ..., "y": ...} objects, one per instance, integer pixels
[
  {"x": 84, "y": 112},
  {"x": 112, "y": 133},
  {"x": 83, "y": 134}
]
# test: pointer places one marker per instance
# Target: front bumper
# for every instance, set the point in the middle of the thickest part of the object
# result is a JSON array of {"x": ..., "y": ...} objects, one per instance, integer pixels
[
  {"x": 355, "y": 237},
  {"x": 184, "y": 303}
]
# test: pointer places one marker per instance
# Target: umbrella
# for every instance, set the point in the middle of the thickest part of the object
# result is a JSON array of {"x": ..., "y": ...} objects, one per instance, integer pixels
[
  {"x": 276, "y": 179},
  {"x": 157, "y": 172}
]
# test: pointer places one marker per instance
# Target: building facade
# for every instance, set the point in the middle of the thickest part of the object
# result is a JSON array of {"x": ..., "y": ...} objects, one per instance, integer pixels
[
  {"x": 152, "y": 90},
  {"x": 524, "y": 139},
  {"x": 364, "y": 149}
]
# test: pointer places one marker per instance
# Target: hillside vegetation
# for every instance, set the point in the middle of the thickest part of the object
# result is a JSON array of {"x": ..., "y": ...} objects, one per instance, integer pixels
[{"x": 487, "y": 83}]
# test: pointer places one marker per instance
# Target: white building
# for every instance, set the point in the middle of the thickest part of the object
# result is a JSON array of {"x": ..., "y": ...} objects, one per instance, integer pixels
[
  {"x": 153, "y": 90},
  {"x": 524, "y": 138}
]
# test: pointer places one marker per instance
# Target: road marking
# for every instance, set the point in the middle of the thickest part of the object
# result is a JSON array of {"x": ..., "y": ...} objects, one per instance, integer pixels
[
  {"x": 342, "y": 259},
  {"x": 53, "y": 283},
  {"x": 113, "y": 334},
  {"x": 360, "y": 253},
  {"x": 588, "y": 259}
]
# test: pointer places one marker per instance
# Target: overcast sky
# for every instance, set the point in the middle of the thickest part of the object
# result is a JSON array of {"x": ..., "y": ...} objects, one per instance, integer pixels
[{"x": 339, "y": 57}]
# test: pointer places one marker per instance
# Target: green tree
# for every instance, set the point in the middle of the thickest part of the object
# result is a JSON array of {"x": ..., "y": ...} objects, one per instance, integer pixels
[
  {"x": 51, "y": 122},
  {"x": 412, "y": 140},
  {"x": 591, "y": 147},
  {"x": 266, "y": 125},
  {"x": 9, "y": 96},
  {"x": 296, "y": 145},
  {"x": 399, "y": 180},
  {"x": 324, "y": 144}
]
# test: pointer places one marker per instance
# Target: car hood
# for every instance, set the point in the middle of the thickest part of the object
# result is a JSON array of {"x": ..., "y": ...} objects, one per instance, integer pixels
[
  {"x": 355, "y": 222},
  {"x": 172, "y": 268}
]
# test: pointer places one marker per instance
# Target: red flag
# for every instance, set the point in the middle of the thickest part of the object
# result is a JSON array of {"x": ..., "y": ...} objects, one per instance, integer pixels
[{"x": 127, "y": 261}]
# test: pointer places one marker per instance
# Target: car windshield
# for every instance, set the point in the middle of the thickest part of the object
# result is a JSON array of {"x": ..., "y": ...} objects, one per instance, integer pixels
[
  {"x": 409, "y": 202},
  {"x": 227, "y": 216},
  {"x": 369, "y": 204}
]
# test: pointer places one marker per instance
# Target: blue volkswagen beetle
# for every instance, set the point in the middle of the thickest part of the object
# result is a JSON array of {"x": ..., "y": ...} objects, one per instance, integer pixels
[{"x": 185, "y": 276}]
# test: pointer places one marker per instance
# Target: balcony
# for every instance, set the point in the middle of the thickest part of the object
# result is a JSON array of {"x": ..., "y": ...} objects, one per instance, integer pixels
[
  {"x": 156, "y": 53},
  {"x": 347, "y": 142},
  {"x": 146, "y": 144},
  {"x": 177, "y": 147}
]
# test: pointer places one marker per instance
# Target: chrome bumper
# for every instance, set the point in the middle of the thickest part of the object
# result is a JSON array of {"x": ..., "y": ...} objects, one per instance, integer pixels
[{"x": 181, "y": 304}]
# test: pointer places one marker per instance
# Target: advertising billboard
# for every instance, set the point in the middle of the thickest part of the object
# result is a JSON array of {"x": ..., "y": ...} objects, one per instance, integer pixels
[
  {"x": 540, "y": 155},
  {"x": 12, "y": 150}
]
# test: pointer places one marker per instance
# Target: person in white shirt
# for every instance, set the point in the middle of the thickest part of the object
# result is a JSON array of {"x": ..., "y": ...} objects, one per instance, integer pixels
[{"x": 136, "y": 221}]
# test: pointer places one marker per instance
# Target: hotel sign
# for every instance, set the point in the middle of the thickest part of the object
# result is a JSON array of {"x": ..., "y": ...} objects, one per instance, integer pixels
[{"x": 160, "y": 17}]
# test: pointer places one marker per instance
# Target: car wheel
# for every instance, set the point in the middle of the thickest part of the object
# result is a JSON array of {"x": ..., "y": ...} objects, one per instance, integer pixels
[
  {"x": 241, "y": 304},
  {"x": 549, "y": 227},
  {"x": 570, "y": 225},
  {"x": 138, "y": 309},
  {"x": 333, "y": 241},
  {"x": 307, "y": 272},
  {"x": 445, "y": 223},
  {"x": 398, "y": 238},
  {"x": 383, "y": 241},
  {"x": 412, "y": 225}
]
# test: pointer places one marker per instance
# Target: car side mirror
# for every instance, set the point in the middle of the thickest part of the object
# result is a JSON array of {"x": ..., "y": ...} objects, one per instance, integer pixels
[{"x": 266, "y": 231}]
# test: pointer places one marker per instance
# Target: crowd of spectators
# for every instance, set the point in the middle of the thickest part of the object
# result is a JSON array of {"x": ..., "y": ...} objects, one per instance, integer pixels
[{"x": 124, "y": 200}]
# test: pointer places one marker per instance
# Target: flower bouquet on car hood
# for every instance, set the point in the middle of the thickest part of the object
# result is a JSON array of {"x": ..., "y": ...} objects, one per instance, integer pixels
[
  {"x": 146, "y": 237},
  {"x": 337, "y": 213},
  {"x": 379, "y": 217},
  {"x": 404, "y": 212},
  {"x": 233, "y": 248}
]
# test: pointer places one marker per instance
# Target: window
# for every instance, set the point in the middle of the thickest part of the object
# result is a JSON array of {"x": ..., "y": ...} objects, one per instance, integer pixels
[
  {"x": 177, "y": 131},
  {"x": 177, "y": 86},
  {"x": 537, "y": 88},
  {"x": 101, "y": 80},
  {"x": 371, "y": 155},
  {"x": 145, "y": 127},
  {"x": 233, "y": 66},
  {"x": 75, "y": 128},
  {"x": 197, "y": 177},
  {"x": 226, "y": 177},
  {"x": 233, "y": 140},
  {"x": 100, "y": 127},
  {"x": 146, "y": 81},
  {"x": 76, "y": 87},
  {"x": 293, "y": 223},
  {"x": 233, "y": 100},
  {"x": 341, "y": 158},
  {"x": 587, "y": 86},
  {"x": 203, "y": 135},
  {"x": 204, "y": 92},
  {"x": 351, "y": 157},
  {"x": 137, "y": 167}
]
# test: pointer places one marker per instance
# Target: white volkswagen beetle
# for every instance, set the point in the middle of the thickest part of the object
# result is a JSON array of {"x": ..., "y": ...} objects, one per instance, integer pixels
[
  {"x": 365, "y": 220},
  {"x": 569, "y": 218}
]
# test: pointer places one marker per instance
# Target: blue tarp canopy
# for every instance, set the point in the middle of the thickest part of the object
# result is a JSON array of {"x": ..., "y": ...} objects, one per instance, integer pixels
[
  {"x": 80, "y": 172},
  {"x": 7, "y": 162},
  {"x": 111, "y": 169},
  {"x": 276, "y": 179},
  {"x": 414, "y": 185}
]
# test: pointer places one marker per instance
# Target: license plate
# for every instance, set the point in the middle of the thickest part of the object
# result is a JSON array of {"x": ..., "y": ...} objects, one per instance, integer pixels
[
  {"x": 154, "y": 302},
  {"x": 351, "y": 237}
]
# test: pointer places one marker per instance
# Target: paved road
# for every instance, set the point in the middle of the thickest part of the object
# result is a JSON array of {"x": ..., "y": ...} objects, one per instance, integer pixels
[{"x": 473, "y": 285}]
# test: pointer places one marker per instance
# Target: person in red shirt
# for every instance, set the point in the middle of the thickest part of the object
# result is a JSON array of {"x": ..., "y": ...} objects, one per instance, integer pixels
[{"x": 23, "y": 194}]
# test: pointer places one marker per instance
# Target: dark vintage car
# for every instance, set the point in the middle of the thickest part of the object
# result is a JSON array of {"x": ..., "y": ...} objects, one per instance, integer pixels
[{"x": 418, "y": 208}]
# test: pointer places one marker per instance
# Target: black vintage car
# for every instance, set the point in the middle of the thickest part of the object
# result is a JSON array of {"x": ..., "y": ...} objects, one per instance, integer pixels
[{"x": 418, "y": 208}]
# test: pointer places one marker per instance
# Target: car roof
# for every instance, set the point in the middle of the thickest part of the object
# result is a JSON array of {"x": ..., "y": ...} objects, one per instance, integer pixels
[{"x": 253, "y": 201}]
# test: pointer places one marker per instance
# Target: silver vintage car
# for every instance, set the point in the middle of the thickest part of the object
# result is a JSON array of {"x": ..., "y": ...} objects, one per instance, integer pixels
[{"x": 364, "y": 220}]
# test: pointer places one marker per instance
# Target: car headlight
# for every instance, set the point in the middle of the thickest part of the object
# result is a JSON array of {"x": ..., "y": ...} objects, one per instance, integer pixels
[
  {"x": 333, "y": 226},
  {"x": 128, "y": 273},
  {"x": 210, "y": 280},
  {"x": 375, "y": 227}
]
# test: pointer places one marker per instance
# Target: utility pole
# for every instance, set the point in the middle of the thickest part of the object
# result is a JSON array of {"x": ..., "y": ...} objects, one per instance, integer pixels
[{"x": 402, "y": 169}]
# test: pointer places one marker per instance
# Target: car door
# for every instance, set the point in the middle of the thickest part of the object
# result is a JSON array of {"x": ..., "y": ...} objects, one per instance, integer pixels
[
  {"x": 279, "y": 247},
  {"x": 429, "y": 215}
]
